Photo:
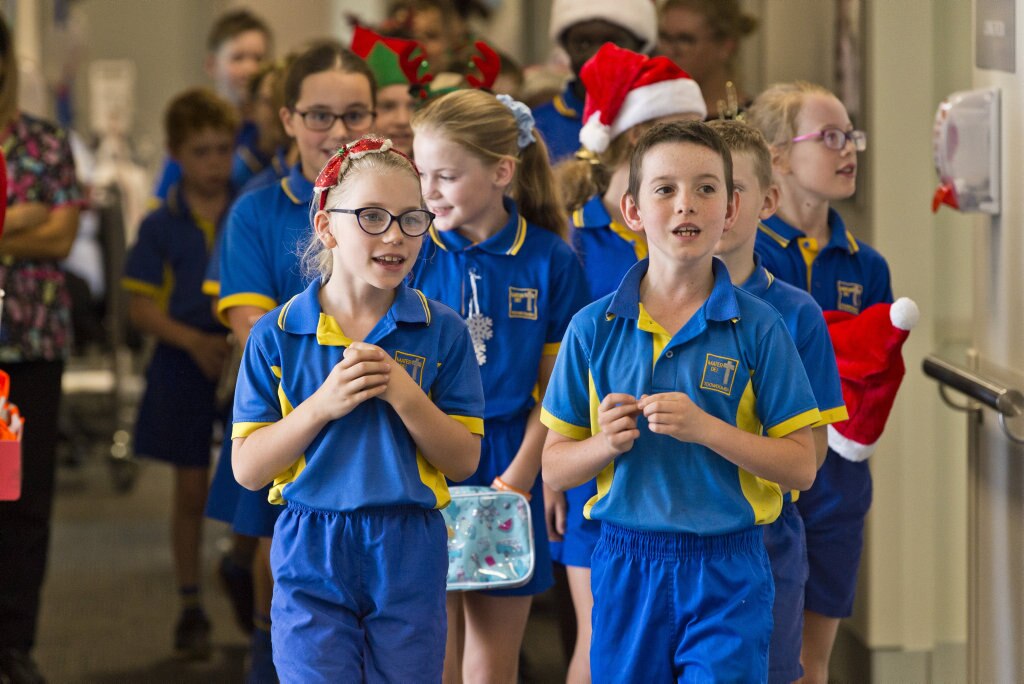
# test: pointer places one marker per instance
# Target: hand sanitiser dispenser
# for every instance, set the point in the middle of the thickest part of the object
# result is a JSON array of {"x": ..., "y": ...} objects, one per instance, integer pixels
[{"x": 965, "y": 143}]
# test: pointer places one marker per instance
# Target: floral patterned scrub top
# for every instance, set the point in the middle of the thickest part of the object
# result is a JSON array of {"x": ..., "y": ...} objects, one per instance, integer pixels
[{"x": 36, "y": 324}]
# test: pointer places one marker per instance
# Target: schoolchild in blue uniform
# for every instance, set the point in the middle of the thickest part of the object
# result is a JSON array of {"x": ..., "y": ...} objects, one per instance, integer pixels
[
  {"x": 807, "y": 245},
  {"x": 360, "y": 365},
  {"x": 632, "y": 92},
  {"x": 164, "y": 274},
  {"x": 265, "y": 154},
  {"x": 328, "y": 101},
  {"x": 498, "y": 260},
  {"x": 581, "y": 27},
  {"x": 784, "y": 538},
  {"x": 238, "y": 43},
  {"x": 686, "y": 398}
]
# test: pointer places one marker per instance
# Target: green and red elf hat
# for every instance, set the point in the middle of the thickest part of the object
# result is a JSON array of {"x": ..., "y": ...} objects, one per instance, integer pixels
[{"x": 393, "y": 61}]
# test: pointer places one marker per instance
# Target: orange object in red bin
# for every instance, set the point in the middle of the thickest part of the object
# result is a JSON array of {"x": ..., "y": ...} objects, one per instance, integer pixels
[{"x": 10, "y": 444}]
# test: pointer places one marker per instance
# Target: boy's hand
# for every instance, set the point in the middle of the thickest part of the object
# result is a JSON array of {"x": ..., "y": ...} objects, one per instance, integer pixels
[
  {"x": 616, "y": 417},
  {"x": 554, "y": 513},
  {"x": 362, "y": 373},
  {"x": 673, "y": 414},
  {"x": 209, "y": 351}
]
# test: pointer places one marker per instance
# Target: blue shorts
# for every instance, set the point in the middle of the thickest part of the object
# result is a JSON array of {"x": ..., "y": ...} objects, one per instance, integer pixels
[
  {"x": 787, "y": 551},
  {"x": 359, "y": 596},
  {"x": 502, "y": 439},
  {"x": 833, "y": 511},
  {"x": 581, "y": 535},
  {"x": 247, "y": 512},
  {"x": 177, "y": 411},
  {"x": 680, "y": 607}
]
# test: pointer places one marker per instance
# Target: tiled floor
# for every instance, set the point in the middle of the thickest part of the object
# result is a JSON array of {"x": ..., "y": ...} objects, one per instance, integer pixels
[{"x": 109, "y": 603}]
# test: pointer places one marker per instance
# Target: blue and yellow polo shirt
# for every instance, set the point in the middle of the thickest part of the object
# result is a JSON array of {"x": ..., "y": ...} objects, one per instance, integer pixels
[
  {"x": 528, "y": 282},
  {"x": 259, "y": 264},
  {"x": 807, "y": 327},
  {"x": 734, "y": 358},
  {"x": 607, "y": 248},
  {"x": 559, "y": 122},
  {"x": 169, "y": 259},
  {"x": 367, "y": 457},
  {"x": 843, "y": 275}
]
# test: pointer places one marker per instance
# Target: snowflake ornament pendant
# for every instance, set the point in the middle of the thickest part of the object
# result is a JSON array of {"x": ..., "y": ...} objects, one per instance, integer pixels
[{"x": 481, "y": 329}]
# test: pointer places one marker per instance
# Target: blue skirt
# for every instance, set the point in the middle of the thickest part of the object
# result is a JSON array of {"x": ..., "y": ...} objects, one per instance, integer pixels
[
  {"x": 247, "y": 512},
  {"x": 177, "y": 412}
]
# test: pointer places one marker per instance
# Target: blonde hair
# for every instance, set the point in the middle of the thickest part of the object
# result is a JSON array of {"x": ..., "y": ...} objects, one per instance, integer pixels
[
  {"x": 487, "y": 129},
  {"x": 584, "y": 177},
  {"x": 775, "y": 111},
  {"x": 315, "y": 259},
  {"x": 742, "y": 138}
]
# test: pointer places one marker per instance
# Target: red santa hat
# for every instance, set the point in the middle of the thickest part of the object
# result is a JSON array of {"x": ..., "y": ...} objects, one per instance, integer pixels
[
  {"x": 625, "y": 88},
  {"x": 639, "y": 17},
  {"x": 869, "y": 355}
]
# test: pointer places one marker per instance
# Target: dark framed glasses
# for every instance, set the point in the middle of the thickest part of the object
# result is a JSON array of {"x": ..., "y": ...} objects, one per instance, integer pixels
[
  {"x": 377, "y": 221},
  {"x": 322, "y": 120},
  {"x": 835, "y": 139}
]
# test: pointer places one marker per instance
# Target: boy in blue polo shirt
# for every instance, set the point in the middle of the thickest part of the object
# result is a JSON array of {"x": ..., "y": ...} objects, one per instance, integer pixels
[
  {"x": 662, "y": 390},
  {"x": 164, "y": 274},
  {"x": 784, "y": 539}
]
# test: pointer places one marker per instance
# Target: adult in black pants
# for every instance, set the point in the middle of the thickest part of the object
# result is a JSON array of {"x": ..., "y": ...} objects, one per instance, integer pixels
[{"x": 35, "y": 335}]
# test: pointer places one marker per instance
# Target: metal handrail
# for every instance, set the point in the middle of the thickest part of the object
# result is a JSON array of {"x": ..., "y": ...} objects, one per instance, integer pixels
[{"x": 1008, "y": 403}]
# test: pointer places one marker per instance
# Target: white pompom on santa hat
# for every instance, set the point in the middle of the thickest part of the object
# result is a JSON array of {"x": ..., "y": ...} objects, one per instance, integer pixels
[
  {"x": 625, "y": 88},
  {"x": 869, "y": 355}
]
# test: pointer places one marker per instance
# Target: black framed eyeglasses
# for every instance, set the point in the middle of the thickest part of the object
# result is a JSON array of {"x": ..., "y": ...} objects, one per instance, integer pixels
[
  {"x": 321, "y": 120},
  {"x": 835, "y": 139},
  {"x": 377, "y": 221}
]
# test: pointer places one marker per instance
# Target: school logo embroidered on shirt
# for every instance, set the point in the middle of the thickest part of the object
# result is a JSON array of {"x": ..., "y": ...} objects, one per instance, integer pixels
[
  {"x": 849, "y": 296},
  {"x": 412, "y": 363},
  {"x": 522, "y": 302},
  {"x": 719, "y": 373}
]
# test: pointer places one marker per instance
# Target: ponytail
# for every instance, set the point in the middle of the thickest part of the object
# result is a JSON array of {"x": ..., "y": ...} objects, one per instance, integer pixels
[{"x": 535, "y": 191}]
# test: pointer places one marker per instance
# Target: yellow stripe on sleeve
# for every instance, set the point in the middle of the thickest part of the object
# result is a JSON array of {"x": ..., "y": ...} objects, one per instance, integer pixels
[
  {"x": 805, "y": 419},
  {"x": 211, "y": 288},
  {"x": 242, "y": 299},
  {"x": 474, "y": 425},
  {"x": 140, "y": 287},
  {"x": 563, "y": 428},
  {"x": 835, "y": 415},
  {"x": 239, "y": 430},
  {"x": 551, "y": 349}
]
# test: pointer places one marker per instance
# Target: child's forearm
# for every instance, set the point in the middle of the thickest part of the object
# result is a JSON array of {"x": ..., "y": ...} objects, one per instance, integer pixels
[
  {"x": 820, "y": 444},
  {"x": 568, "y": 463},
  {"x": 789, "y": 461},
  {"x": 447, "y": 444},
  {"x": 522, "y": 472},
  {"x": 260, "y": 457},
  {"x": 147, "y": 316}
]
